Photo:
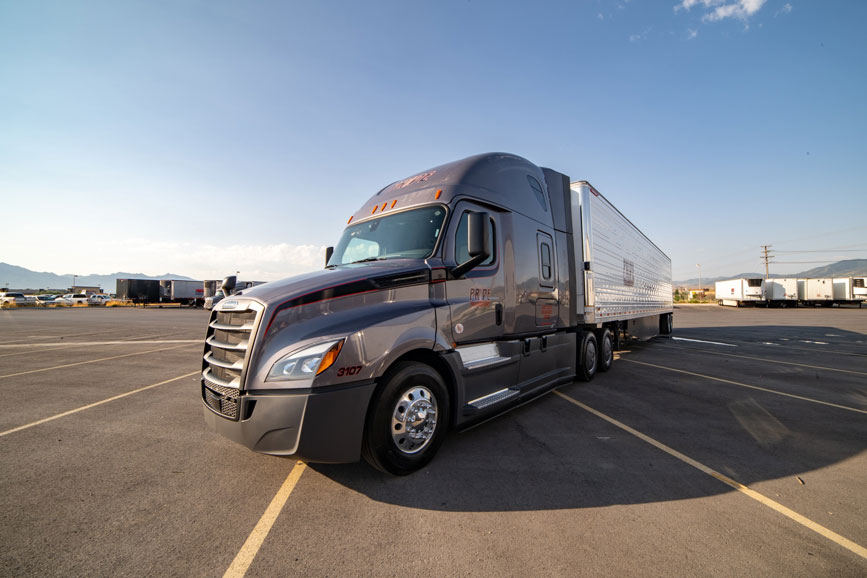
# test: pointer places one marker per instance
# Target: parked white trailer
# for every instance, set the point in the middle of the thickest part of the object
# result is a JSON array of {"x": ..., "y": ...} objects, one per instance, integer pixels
[
  {"x": 782, "y": 292},
  {"x": 818, "y": 292},
  {"x": 737, "y": 292},
  {"x": 846, "y": 290},
  {"x": 181, "y": 291}
]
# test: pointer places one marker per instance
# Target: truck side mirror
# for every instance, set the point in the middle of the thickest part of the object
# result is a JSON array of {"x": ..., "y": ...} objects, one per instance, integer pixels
[
  {"x": 478, "y": 243},
  {"x": 329, "y": 251},
  {"x": 228, "y": 285}
]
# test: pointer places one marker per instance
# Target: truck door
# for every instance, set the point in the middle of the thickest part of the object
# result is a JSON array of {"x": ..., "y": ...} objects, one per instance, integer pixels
[{"x": 476, "y": 299}]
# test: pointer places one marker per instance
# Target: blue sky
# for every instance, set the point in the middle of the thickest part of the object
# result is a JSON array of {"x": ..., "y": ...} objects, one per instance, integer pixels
[{"x": 207, "y": 137}]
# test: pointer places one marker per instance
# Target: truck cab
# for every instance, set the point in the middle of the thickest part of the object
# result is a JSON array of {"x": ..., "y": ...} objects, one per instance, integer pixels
[{"x": 448, "y": 298}]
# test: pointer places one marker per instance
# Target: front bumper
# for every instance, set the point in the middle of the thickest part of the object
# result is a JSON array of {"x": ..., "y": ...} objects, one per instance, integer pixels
[{"x": 317, "y": 426}]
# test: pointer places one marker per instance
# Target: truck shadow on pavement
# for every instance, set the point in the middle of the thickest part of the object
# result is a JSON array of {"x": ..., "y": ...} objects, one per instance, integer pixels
[{"x": 551, "y": 454}]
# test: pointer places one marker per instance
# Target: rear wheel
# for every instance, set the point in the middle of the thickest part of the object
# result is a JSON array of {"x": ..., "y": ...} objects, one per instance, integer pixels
[
  {"x": 666, "y": 324},
  {"x": 588, "y": 362},
  {"x": 606, "y": 349},
  {"x": 407, "y": 420}
]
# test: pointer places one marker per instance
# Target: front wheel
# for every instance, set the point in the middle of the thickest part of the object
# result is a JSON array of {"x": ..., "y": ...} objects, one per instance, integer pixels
[{"x": 407, "y": 420}]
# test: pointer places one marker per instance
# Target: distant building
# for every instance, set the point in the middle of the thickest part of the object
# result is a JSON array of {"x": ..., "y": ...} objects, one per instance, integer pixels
[{"x": 86, "y": 289}]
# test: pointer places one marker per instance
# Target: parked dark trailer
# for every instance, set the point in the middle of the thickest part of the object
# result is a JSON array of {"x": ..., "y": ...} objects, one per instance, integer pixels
[
  {"x": 138, "y": 290},
  {"x": 451, "y": 296}
]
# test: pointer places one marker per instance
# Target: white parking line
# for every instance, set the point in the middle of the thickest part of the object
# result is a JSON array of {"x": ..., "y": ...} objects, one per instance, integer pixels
[
  {"x": 747, "y": 385},
  {"x": 91, "y": 361},
  {"x": 84, "y": 407},
  {"x": 702, "y": 341},
  {"x": 254, "y": 541},
  {"x": 762, "y": 499},
  {"x": 118, "y": 342},
  {"x": 822, "y": 367}
]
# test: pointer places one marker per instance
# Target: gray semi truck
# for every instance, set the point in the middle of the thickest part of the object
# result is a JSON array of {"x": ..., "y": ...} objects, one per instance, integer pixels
[{"x": 451, "y": 296}]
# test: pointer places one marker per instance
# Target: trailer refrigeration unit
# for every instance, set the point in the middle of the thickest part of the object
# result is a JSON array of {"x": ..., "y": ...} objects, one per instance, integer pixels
[
  {"x": 859, "y": 290},
  {"x": 138, "y": 290},
  {"x": 782, "y": 292},
  {"x": 452, "y": 295},
  {"x": 817, "y": 292},
  {"x": 737, "y": 292},
  {"x": 846, "y": 290}
]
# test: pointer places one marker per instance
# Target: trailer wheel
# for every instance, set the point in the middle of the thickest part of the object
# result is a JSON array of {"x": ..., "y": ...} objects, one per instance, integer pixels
[
  {"x": 588, "y": 362},
  {"x": 606, "y": 350},
  {"x": 407, "y": 420},
  {"x": 666, "y": 324}
]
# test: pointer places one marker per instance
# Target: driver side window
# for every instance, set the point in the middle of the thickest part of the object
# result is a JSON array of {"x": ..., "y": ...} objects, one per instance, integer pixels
[{"x": 462, "y": 253}]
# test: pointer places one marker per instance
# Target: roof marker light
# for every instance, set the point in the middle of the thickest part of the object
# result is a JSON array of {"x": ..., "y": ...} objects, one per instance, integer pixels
[
  {"x": 439, "y": 192},
  {"x": 393, "y": 203},
  {"x": 350, "y": 219},
  {"x": 374, "y": 209},
  {"x": 383, "y": 206}
]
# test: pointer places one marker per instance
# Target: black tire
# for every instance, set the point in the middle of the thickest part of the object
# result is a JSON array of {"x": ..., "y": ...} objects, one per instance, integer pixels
[
  {"x": 666, "y": 324},
  {"x": 606, "y": 349},
  {"x": 588, "y": 361},
  {"x": 396, "y": 396}
]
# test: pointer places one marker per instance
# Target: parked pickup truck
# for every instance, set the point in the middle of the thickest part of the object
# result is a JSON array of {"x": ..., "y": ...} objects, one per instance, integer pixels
[
  {"x": 15, "y": 298},
  {"x": 452, "y": 296},
  {"x": 73, "y": 298}
]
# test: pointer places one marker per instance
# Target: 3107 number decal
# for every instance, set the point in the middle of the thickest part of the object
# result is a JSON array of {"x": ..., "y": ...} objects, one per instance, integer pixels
[{"x": 344, "y": 371}]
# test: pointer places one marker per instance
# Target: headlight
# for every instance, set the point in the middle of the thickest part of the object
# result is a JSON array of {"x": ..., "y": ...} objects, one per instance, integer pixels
[{"x": 306, "y": 363}]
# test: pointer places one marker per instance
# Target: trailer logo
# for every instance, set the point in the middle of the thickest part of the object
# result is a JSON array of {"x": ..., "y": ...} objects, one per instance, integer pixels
[
  {"x": 459, "y": 328},
  {"x": 628, "y": 273},
  {"x": 229, "y": 304}
]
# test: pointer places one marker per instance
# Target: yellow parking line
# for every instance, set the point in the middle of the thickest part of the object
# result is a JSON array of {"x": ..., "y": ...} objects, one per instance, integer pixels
[
  {"x": 82, "y": 408},
  {"x": 776, "y": 506},
  {"x": 768, "y": 360},
  {"x": 254, "y": 541},
  {"x": 774, "y": 391},
  {"x": 91, "y": 361}
]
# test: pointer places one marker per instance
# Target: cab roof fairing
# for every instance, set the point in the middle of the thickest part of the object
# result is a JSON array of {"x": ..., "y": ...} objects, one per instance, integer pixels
[{"x": 498, "y": 178}]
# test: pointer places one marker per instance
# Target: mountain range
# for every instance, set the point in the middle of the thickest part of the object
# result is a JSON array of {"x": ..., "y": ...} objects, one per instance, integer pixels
[
  {"x": 846, "y": 268},
  {"x": 16, "y": 277}
]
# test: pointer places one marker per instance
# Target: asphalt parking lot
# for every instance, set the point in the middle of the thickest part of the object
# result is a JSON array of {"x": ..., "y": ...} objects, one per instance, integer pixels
[{"x": 734, "y": 448}]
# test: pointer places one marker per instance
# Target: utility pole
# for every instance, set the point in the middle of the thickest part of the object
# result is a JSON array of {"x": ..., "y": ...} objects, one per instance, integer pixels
[
  {"x": 766, "y": 257},
  {"x": 700, "y": 288}
]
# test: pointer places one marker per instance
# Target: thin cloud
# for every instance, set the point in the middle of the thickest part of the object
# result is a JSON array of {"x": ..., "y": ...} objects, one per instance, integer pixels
[
  {"x": 717, "y": 10},
  {"x": 690, "y": 34},
  {"x": 786, "y": 9}
]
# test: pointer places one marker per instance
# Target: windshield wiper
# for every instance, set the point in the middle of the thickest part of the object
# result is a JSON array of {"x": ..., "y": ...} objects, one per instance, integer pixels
[{"x": 366, "y": 260}]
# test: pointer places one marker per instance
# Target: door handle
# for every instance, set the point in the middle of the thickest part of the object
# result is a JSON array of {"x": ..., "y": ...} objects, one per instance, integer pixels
[{"x": 498, "y": 312}]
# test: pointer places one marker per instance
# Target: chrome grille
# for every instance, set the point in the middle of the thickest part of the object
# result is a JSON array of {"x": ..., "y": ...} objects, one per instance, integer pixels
[{"x": 227, "y": 345}]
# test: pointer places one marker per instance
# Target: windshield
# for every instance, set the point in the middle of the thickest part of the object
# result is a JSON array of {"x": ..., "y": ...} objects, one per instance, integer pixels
[{"x": 406, "y": 235}]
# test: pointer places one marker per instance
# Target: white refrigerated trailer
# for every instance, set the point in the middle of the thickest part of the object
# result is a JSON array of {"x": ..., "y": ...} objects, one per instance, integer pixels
[
  {"x": 782, "y": 292},
  {"x": 849, "y": 290},
  {"x": 816, "y": 291},
  {"x": 737, "y": 292}
]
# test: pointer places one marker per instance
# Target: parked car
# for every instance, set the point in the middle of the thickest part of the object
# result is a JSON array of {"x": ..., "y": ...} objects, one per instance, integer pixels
[
  {"x": 43, "y": 299},
  {"x": 97, "y": 299},
  {"x": 72, "y": 299},
  {"x": 16, "y": 298}
]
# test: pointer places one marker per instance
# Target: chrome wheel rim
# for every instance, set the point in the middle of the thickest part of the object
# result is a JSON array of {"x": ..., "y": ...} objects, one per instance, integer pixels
[
  {"x": 607, "y": 351},
  {"x": 414, "y": 420},
  {"x": 590, "y": 357}
]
